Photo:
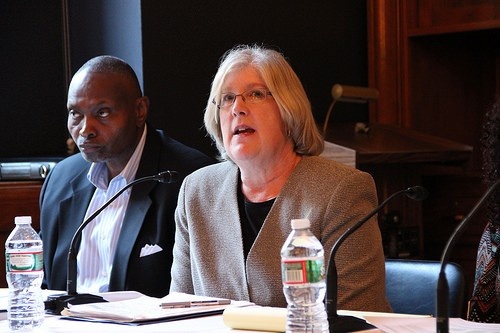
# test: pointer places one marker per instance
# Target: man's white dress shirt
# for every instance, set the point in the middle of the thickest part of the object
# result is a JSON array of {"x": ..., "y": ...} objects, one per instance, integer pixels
[{"x": 99, "y": 238}]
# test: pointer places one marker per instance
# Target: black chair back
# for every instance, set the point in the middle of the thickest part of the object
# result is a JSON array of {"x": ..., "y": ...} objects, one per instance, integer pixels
[{"x": 411, "y": 286}]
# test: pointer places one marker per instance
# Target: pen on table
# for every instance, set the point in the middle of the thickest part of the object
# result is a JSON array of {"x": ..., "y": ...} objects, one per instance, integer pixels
[{"x": 189, "y": 304}]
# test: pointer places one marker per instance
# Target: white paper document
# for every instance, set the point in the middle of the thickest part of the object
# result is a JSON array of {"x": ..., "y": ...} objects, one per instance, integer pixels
[
  {"x": 339, "y": 153},
  {"x": 428, "y": 325},
  {"x": 259, "y": 318},
  {"x": 145, "y": 308}
]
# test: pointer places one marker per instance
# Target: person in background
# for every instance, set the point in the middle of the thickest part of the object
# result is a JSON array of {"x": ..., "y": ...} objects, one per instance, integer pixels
[
  {"x": 233, "y": 217},
  {"x": 484, "y": 305},
  {"x": 129, "y": 245}
]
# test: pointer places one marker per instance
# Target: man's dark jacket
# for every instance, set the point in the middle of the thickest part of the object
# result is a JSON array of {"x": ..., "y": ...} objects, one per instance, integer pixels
[{"x": 149, "y": 219}]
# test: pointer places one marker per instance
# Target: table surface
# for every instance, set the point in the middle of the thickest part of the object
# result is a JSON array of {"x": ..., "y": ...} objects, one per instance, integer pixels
[
  {"x": 54, "y": 324},
  {"x": 214, "y": 324},
  {"x": 385, "y": 143},
  {"x": 210, "y": 324},
  {"x": 387, "y": 322}
]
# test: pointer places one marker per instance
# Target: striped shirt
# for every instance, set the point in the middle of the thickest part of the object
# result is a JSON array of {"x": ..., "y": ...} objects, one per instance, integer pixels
[{"x": 99, "y": 238}]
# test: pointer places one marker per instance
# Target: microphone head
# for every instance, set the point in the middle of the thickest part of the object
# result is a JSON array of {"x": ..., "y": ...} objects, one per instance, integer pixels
[
  {"x": 417, "y": 193},
  {"x": 168, "y": 177}
]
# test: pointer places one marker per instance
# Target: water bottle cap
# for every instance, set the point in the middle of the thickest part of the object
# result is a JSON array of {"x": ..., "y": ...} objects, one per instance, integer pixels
[
  {"x": 22, "y": 220},
  {"x": 300, "y": 223}
]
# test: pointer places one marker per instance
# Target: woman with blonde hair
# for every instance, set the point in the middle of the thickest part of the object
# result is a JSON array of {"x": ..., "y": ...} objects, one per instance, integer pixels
[{"x": 233, "y": 217}]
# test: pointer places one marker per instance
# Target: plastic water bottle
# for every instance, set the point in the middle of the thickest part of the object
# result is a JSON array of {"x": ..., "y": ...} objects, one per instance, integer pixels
[
  {"x": 24, "y": 267},
  {"x": 304, "y": 285}
]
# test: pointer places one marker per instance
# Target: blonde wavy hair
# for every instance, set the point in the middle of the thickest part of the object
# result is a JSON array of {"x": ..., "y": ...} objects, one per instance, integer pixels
[{"x": 285, "y": 87}]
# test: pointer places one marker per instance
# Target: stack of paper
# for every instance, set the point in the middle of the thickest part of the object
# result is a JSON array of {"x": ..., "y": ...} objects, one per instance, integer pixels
[
  {"x": 259, "y": 318},
  {"x": 339, "y": 153},
  {"x": 145, "y": 309},
  {"x": 428, "y": 325}
]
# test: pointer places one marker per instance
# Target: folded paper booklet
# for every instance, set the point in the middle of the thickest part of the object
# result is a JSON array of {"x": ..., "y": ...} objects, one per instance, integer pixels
[
  {"x": 145, "y": 309},
  {"x": 258, "y": 318}
]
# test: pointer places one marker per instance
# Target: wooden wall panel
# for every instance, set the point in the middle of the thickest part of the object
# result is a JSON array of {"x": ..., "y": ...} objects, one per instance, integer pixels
[
  {"x": 444, "y": 16},
  {"x": 17, "y": 199},
  {"x": 386, "y": 61},
  {"x": 436, "y": 64}
]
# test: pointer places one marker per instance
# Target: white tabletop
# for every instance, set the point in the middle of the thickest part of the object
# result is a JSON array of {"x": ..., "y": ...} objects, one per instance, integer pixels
[
  {"x": 54, "y": 324},
  {"x": 385, "y": 322},
  {"x": 210, "y": 324}
]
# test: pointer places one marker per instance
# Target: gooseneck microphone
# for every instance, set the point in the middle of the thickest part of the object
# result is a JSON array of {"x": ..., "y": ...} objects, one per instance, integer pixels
[
  {"x": 442, "y": 290},
  {"x": 56, "y": 303},
  {"x": 349, "y": 323}
]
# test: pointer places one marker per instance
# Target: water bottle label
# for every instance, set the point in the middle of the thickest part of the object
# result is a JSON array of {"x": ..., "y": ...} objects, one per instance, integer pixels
[
  {"x": 303, "y": 271},
  {"x": 24, "y": 262}
]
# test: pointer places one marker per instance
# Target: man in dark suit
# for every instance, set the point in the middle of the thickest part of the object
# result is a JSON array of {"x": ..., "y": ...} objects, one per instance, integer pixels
[{"x": 129, "y": 245}]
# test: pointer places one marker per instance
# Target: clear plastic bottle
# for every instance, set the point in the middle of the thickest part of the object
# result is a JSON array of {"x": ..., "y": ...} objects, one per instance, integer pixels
[
  {"x": 304, "y": 285},
  {"x": 24, "y": 267}
]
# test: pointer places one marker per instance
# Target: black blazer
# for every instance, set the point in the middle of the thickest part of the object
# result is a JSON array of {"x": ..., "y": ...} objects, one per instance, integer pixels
[{"x": 149, "y": 218}]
